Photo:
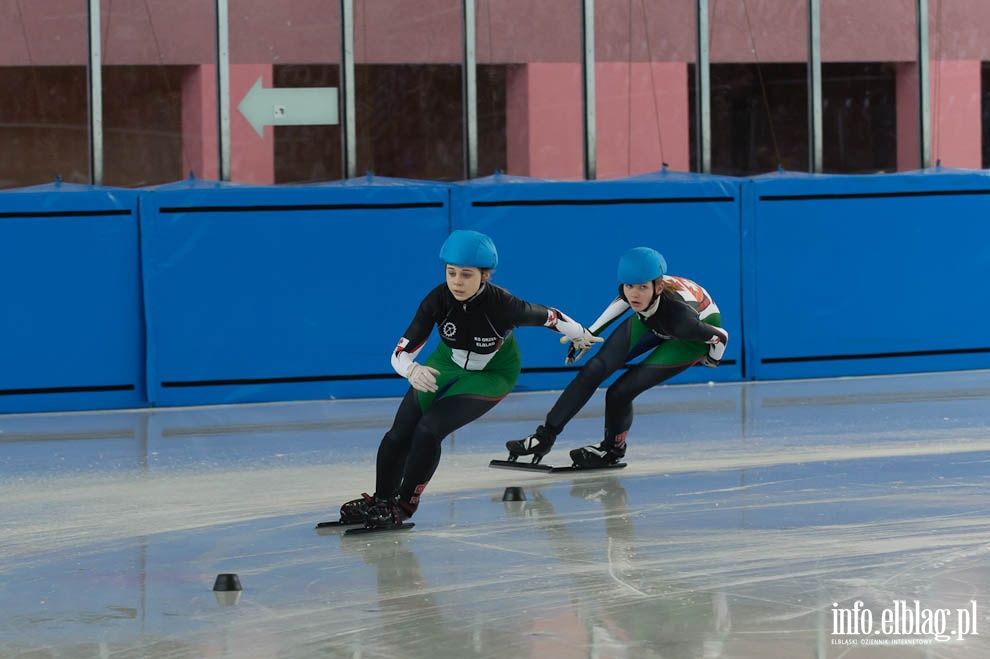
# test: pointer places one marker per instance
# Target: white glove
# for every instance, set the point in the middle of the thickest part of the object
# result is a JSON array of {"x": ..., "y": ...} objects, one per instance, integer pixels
[
  {"x": 580, "y": 345},
  {"x": 422, "y": 378},
  {"x": 586, "y": 340},
  {"x": 715, "y": 351}
]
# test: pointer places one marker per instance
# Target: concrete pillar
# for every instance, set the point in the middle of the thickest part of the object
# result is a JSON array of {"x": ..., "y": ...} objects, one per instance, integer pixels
[
  {"x": 544, "y": 121},
  {"x": 252, "y": 157},
  {"x": 642, "y": 115},
  {"x": 199, "y": 122},
  {"x": 908, "y": 136},
  {"x": 956, "y": 113}
]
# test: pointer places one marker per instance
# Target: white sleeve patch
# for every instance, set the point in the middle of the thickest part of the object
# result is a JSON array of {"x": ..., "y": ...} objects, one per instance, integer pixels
[{"x": 402, "y": 360}]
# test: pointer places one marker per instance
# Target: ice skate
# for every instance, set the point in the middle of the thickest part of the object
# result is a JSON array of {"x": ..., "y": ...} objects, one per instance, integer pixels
[
  {"x": 352, "y": 513},
  {"x": 538, "y": 445},
  {"x": 598, "y": 456},
  {"x": 384, "y": 515}
]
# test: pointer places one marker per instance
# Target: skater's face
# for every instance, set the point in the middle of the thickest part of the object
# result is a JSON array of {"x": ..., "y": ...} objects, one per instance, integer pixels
[
  {"x": 639, "y": 295},
  {"x": 464, "y": 282}
]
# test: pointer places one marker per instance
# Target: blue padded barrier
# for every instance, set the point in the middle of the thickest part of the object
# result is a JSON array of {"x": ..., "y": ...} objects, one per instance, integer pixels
[
  {"x": 559, "y": 244},
  {"x": 72, "y": 335},
  {"x": 263, "y": 293},
  {"x": 282, "y": 293},
  {"x": 859, "y": 275}
]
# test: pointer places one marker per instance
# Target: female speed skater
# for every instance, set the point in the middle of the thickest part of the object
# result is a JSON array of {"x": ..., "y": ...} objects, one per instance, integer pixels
[
  {"x": 474, "y": 367},
  {"x": 675, "y": 321}
]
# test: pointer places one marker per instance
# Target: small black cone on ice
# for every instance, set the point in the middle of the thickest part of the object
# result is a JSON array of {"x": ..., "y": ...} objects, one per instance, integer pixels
[
  {"x": 226, "y": 582},
  {"x": 514, "y": 493},
  {"x": 227, "y": 589}
]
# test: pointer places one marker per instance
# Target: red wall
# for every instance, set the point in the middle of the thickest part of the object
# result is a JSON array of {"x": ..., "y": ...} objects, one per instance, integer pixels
[{"x": 41, "y": 32}]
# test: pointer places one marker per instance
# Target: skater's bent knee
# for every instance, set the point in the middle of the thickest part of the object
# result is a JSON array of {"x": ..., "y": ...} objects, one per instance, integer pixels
[
  {"x": 393, "y": 441},
  {"x": 426, "y": 434},
  {"x": 596, "y": 369}
]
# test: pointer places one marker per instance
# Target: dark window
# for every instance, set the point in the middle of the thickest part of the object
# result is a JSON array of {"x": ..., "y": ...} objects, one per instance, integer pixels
[
  {"x": 44, "y": 125},
  {"x": 409, "y": 121},
  {"x": 308, "y": 153},
  {"x": 492, "y": 154},
  {"x": 759, "y": 118},
  {"x": 142, "y": 125},
  {"x": 755, "y": 131},
  {"x": 985, "y": 112},
  {"x": 859, "y": 118}
]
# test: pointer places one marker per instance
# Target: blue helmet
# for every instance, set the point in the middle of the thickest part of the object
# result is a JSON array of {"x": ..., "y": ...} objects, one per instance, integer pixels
[
  {"x": 469, "y": 248},
  {"x": 641, "y": 264}
]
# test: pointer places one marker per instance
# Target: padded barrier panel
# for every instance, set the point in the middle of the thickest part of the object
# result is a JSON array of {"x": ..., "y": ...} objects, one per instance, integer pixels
[
  {"x": 858, "y": 275},
  {"x": 559, "y": 244},
  {"x": 285, "y": 293},
  {"x": 72, "y": 336}
]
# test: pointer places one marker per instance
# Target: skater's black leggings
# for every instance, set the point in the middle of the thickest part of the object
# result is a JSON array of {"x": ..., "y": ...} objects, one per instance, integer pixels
[
  {"x": 614, "y": 353},
  {"x": 410, "y": 451}
]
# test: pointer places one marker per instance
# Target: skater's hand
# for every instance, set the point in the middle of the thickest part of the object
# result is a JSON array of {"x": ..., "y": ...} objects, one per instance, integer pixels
[
  {"x": 422, "y": 378},
  {"x": 710, "y": 361},
  {"x": 715, "y": 352},
  {"x": 586, "y": 340},
  {"x": 573, "y": 354},
  {"x": 580, "y": 345}
]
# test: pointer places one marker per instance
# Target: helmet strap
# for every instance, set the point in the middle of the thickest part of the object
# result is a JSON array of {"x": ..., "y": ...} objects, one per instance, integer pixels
[
  {"x": 657, "y": 290},
  {"x": 651, "y": 308}
]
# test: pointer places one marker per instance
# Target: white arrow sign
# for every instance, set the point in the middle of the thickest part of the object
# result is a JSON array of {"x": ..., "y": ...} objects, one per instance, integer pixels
[{"x": 292, "y": 106}]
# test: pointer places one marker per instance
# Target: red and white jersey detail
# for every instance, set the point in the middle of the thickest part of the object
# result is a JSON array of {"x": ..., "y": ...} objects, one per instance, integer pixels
[
  {"x": 620, "y": 439},
  {"x": 693, "y": 294},
  {"x": 402, "y": 358},
  {"x": 559, "y": 321}
]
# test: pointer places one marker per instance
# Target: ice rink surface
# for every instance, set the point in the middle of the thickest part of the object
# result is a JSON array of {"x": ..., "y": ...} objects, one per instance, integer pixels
[{"x": 819, "y": 518}]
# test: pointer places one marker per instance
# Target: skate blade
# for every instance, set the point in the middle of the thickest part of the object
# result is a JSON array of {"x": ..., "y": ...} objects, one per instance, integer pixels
[
  {"x": 529, "y": 466},
  {"x": 361, "y": 530},
  {"x": 520, "y": 466},
  {"x": 334, "y": 528},
  {"x": 617, "y": 465}
]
